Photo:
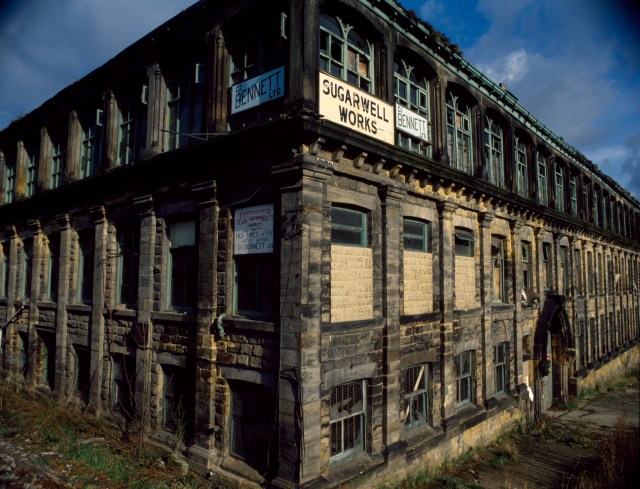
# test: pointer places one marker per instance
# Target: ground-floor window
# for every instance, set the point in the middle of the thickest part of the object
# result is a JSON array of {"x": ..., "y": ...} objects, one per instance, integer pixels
[
  {"x": 347, "y": 415},
  {"x": 23, "y": 353},
  {"x": 123, "y": 381},
  {"x": 176, "y": 401},
  {"x": 416, "y": 399},
  {"x": 81, "y": 378},
  {"x": 464, "y": 377},
  {"x": 253, "y": 436},
  {"x": 500, "y": 364},
  {"x": 48, "y": 359}
]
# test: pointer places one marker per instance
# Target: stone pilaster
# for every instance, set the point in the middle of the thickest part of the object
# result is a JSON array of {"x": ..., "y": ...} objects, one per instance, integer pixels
[
  {"x": 44, "y": 161},
  {"x": 33, "y": 296},
  {"x": 21, "y": 171},
  {"x": 111, "y": 130},
  {"x": 74, "y": 138},
  {"x": 64, "y": 279},
  {"x": 392, "y": 225},
  {"x": 446, "y": 210},
  {"x": 203, "y": 451},
  {"x": 97, "y": 329},
  {"x": 486, "y": 297},
  {"x": 302, "y": 184},
  {"x": 142, "y": 336},
  {"x": 516, "y": 279},
  {"x": 155, "y": 112}
]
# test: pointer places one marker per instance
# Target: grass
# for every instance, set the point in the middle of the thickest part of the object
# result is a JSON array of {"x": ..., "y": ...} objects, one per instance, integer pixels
[{"x": 89, "y": 452}]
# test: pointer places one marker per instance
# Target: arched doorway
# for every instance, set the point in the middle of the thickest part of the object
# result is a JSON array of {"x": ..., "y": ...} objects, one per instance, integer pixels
[{"x": 554, "y": 352}]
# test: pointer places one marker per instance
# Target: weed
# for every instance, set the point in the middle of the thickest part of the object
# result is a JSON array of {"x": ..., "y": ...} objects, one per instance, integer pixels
[{"x": 500, "y": 461}]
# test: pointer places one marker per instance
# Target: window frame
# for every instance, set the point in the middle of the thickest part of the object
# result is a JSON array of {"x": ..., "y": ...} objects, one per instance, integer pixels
[
  {"x": 526, "y": 265},
  {"x": 53, "y": 268},
  {"x": 32, "y": 174},
  {"x": 405, "y": 75},
  {"x": 338, "y": 419},
  {"x": 128, "y": 264},
  {"x": 342, "y": 227},
  {"x": 184, "y": 107},
  {"x": 463, "y": 240},
  {"x": 543, "y": 189},
  {"x": 501, "y": 367},
  {"x": 459, "y": 134},
  {"x": 86, "y": 254},
  {"x": 522, "y": 168},
  {"x": 498, "y": 258},
  {"x": 494, "y": 151},
  {"x": 573, "y": 194},
  {"x": 91, "y": 145},
  {"x": 464, "y": 378},
  {"x": 10, "y": 182},
  {"x": 57, "y": 169},
  {"x": 132, "y": 125},
  {"x": 422, "y": 240},
  {"x": 416, "y": 400},
  {"x": 340, "y": 37},
  {"x": 559, "y": 187},
  {"x": 547, "y": 265},
  {"x": 188, "y": 254}
]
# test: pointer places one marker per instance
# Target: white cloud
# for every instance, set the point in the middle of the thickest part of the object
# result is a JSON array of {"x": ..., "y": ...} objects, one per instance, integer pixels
[
  {"x": 431, "y": 9},
  {"x": 510, "y": 68}
]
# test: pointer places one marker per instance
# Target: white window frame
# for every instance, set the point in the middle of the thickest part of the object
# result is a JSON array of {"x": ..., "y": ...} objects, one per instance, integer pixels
[
  {"x": 459, "y": 134},
  {"x": 493, "y": 150},
  {"x": 541, "y": 171},
  {"x": 413, "y": 93},
  {"x": 522, "y": 172},
  {"x": 350, "y": 44},
  {"x": 417, "y": 406},
  {"x": 463, "y": 363},
  {"x": 350, "y": 415}
]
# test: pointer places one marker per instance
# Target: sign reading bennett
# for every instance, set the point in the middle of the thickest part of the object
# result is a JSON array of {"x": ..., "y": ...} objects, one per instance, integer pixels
[
  {"x": 257, "y": 91},
  {"x": 412, "y": 123},
  {"x": 253, "y": 230},
  {"x": 356, "y": 109}
]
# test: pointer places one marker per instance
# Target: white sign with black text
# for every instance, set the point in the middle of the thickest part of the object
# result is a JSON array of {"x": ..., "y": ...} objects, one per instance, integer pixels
[
  {"x": 412, "y": 123},
  {"x": 253, "y": 230},
  {"x": 257, "y": 91},
  {"x": 356, "y": 109}
]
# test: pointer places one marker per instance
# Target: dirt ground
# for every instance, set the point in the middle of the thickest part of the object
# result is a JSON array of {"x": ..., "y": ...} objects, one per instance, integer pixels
[{"x": 558, "y": 451}]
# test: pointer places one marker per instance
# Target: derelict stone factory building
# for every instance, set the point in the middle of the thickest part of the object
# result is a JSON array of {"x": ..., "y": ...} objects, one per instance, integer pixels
[{"x": 308, "y": 240}]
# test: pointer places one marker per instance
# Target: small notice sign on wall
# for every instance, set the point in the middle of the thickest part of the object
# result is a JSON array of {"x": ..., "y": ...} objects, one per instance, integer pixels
[{"x": 253, "y": 231}]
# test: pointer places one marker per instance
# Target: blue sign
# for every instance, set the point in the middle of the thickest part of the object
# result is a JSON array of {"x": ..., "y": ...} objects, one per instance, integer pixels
[{"x": 257, "y": 91}]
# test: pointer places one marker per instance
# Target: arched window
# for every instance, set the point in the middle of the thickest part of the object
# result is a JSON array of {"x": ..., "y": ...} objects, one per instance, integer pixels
[
  {"x": 411, "y": 90},
  {"x": 345, "y": 53},
  {"x": 493, "y": 151},
  {"x": 543, "y": 197},
  {"x": 559, "y": 180},
  {"x": 522, "y": 169},
  {"x": 459, "y": 133}
]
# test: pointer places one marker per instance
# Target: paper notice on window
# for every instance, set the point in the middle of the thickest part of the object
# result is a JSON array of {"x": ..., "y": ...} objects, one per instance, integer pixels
[{"x": 253, "y": 230}]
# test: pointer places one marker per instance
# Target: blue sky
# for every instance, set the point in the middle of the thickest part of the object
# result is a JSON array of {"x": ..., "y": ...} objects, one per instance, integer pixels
[{"x": 574, "y": 64}]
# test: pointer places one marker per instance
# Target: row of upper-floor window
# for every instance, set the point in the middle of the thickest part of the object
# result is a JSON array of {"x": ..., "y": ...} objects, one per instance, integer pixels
[
  {"x": 509, "y": 158},
  {"x": 351, "y": 227},
  {"x": 348, "y": 54}
]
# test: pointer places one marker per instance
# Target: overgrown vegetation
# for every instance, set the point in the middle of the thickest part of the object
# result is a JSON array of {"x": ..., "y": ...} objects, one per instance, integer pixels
[
  {"x": 615, "y": 460},
  {"x": 87, "y": 450}
]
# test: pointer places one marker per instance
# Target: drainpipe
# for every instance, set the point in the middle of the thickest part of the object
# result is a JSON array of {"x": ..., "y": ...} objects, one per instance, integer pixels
[{"x": 219, "y": 324}]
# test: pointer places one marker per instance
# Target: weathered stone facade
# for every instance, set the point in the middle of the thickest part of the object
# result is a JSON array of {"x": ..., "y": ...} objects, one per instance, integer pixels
[{"x": 289, "y": 296}]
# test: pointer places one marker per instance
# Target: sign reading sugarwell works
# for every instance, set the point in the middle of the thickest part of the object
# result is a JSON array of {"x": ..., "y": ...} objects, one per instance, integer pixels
[
  {"x": 253, "y": 230},
  {"x": 412, "y": 123},
  {"x": 263, "y": 88},
  {"x": 356, "y": 109}
]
